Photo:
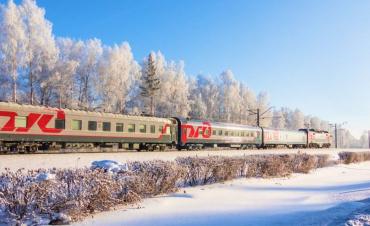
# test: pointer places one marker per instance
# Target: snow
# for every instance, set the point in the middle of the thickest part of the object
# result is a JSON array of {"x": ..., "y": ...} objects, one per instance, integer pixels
[
  {"x": 109, "y": 166},
  {"x": 44, "y": 177},
  {"x": 326, "y": 196},
  {"x": 77, "y": 160}
]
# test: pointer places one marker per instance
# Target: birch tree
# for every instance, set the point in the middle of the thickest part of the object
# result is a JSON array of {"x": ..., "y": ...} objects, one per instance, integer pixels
[
  {"x": 297, "y": 120},
  {"x": 41, "y": 50},
  {"x": 12, "y": 44},
  {"x": 118, "y": 71},
  {"x": 278, "y": 120},
  {"x": 174, "y": 91},
  {"x": 263, "y": 105},
  {"x": 315, "y": 123},
  {"x": 89, "y": 56},
  {"x": 229, "y": 97}
]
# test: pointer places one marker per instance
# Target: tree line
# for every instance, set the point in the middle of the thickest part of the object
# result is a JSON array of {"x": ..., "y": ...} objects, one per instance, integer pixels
[{"x": 38, "y": 68}]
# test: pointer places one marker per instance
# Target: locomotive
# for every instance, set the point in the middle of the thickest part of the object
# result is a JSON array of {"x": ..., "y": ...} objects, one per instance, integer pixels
[{"x": 28, "y": 128}]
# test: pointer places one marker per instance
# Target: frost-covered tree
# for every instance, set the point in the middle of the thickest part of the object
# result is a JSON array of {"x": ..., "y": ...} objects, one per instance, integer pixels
[
  {"x": 150, "y": 81},
  {"x": 364, "y": 140},
  {"x": 307, "y": 121},
  {"x": 229, "y": 96},
  {"x": 263, "y": 106},
  {"x": 198, "y": 107},
  {"x": 89, "y": 55},
  {"x": 65, "y": 72},
  {"x": 117, "y": 72},
  {"x": 62, "y": 82},
  {"x": 278, "y": 120},
  {"x": 315, "y": 123},
  {"x": 174, "y": 91},
  {"x": 324, "y": 125},
  {"x": 297, "y": 120},
  {"x": 247, "y": 104},
  {"x": 209, "y": 92},
  {"x": 12, "y": 44},
  {"x": 41, "y": 51}
]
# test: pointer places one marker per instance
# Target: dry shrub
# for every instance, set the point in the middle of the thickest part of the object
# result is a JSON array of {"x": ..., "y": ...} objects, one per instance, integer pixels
[
  {"x": 353, "y": 157},
  {"x": 206, "y": 170},
  {"x": 78, "y": 192},
  {"x": 153, "y": 177}
]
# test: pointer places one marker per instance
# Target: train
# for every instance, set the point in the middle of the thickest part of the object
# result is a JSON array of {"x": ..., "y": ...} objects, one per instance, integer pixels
[{"x": 29, "y": 128}]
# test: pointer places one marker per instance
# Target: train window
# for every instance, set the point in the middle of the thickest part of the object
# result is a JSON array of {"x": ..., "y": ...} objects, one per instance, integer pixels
[
  {"x": 220, "y": 132},
  {"x": 242, "y": 134},
  {"x": 152, "y": 128},
  {"x": 106, "y": 126},
  {"x": 21, "y": 121},
  {"x": 168, "y": 130},
  {"x": 92, "y": 125},
  {"x": 142, "y": 128},
  {"x": 231, "y": 133},
  {"x": 226, "y": 133},
  {"x": 214, "y": 132},
  {"x": 76, "y": 124},
  {"x": 60, "y": 124},
  {"x": 119, "y": 127},
  {"x": 131, "y": 128}
]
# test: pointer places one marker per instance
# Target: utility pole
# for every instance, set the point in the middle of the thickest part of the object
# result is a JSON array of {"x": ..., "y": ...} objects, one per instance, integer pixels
[
  {"x": 336, "y": 135},
  {"x": 258, "y": 114}
]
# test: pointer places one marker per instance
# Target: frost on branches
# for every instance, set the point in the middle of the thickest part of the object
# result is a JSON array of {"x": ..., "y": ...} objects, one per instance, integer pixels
[
  {"x": 59, "y": 196},
  {"x": 38, "y": 68}
]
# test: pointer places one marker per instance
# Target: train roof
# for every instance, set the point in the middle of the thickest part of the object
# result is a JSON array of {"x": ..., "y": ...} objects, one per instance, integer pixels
[{"x": 67, "y": 111}]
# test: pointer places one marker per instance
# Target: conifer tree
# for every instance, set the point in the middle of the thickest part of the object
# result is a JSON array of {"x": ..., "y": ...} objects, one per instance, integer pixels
[{"x": 150, "y": 82}]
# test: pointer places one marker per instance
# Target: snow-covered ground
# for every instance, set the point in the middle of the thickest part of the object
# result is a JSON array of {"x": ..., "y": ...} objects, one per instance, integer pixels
[
  {"x": 326, "y": 196},
  {"x": 36, "y": 161}
]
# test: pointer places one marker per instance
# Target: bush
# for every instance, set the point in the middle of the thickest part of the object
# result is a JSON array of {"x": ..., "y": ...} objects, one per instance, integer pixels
[
  {"x": 353, "y": 157},
  {"x": 62, "y": 195}
]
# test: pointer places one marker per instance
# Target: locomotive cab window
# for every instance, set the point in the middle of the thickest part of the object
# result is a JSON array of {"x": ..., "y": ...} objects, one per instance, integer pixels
[
  {"x": 160, "y": 129},
  {"x": 152, "y": 128},
  {"x": 106, "y": 126},
  {"x": 21, "y": 121},
  {"x": 142, "y": 128},
  {"x": 60, "y": 124},
  {"x": 131, "y": 128},
  {"x": 119, "y": 127},
  {"x": 76, "y": 124},
  {"x": 92, "y": 125}
]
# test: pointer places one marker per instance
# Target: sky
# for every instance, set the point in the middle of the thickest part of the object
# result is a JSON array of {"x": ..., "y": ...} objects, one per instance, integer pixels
[{"x": 309, "y": 54}]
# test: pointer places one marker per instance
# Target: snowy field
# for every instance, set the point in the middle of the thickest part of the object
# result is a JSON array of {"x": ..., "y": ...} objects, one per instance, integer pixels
[
  {"x": 36, "y": 161},
  {"x": 326, "y": 196}
]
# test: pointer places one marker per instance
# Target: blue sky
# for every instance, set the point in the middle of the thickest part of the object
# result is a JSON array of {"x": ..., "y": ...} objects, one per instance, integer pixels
[{"x": 309, "y": 54}]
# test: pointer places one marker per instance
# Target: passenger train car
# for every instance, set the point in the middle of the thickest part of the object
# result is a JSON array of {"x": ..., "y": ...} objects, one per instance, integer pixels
[{"x": 27, "y": 128}]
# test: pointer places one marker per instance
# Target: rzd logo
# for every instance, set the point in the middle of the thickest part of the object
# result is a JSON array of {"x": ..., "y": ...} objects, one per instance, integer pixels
[
  {"x": 188, "y": 131},
  {"x": 41, "y": 119}
]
